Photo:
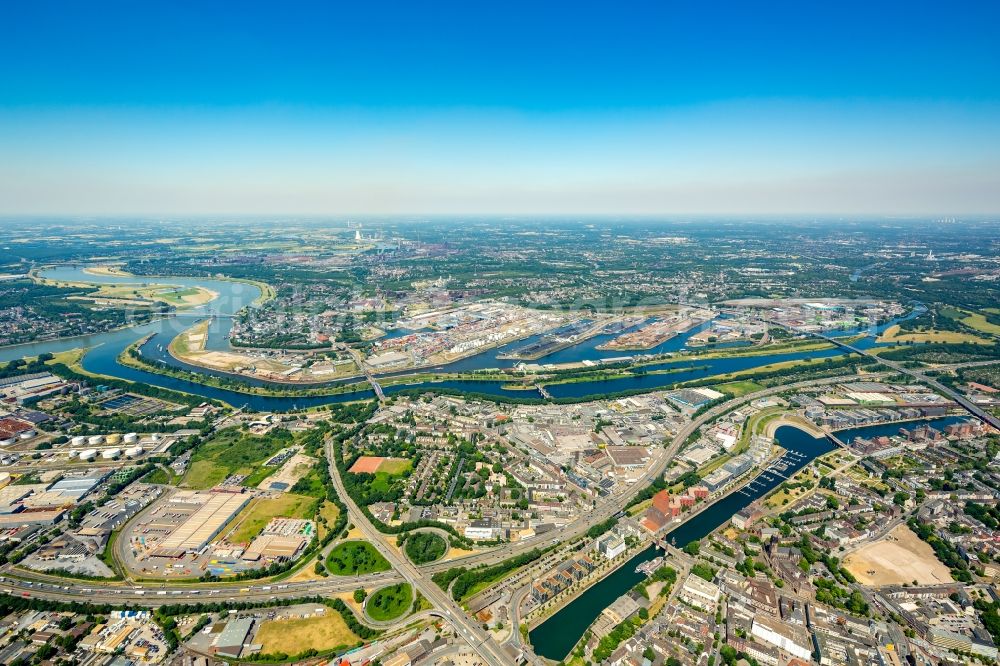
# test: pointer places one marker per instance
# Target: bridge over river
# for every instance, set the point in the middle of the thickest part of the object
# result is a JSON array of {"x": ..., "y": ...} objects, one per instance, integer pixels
[{"x": 960, "y": 399}]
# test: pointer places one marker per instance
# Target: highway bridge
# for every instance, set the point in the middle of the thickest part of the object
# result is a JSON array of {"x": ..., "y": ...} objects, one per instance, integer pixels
[
  {"x": 960, "y": 399},
  {"x": 375, "y": 386},
  {"x": 32, "y": 584}
]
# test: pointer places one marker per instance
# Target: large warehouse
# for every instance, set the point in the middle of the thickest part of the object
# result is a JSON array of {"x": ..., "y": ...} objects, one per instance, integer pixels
[{"x": 208, "y": 515}]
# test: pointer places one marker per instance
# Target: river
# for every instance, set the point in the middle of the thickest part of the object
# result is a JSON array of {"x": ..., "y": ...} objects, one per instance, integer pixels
[
  {"x": 233, "y": 296},
  {"x": 572, "y": 620}
]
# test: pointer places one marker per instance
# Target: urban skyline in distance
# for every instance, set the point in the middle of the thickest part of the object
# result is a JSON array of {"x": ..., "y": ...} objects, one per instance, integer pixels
[{"x": 499, "y": 334}]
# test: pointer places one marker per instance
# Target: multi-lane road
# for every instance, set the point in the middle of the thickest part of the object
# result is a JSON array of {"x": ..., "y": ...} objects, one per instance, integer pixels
[
  {"x": 22, "y": 583},
  {"x": 959, "y": 399},
  {"x": 464, "y": 626},
  {"x": 43, "y": 586}
]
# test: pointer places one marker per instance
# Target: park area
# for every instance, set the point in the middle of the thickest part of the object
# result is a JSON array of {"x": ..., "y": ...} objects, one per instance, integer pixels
[{"x": 896, "y": 559}]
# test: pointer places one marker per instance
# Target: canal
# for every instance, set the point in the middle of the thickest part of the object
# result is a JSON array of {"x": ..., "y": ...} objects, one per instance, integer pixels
[{"x": 555, "y": 637}]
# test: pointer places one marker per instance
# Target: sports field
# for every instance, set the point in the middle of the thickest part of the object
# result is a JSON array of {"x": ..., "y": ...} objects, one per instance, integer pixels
[{"x": 379, "y": 464}]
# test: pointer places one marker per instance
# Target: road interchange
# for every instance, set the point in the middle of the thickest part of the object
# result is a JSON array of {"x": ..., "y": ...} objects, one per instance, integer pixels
[{"x": 25, "y": 583}]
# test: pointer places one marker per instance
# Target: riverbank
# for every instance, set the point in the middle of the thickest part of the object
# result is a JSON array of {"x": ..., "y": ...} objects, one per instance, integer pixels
[
  {"x": 132, "y": 357},
  {"x": 580, "y": 614},
  {"x": 70, "y": 338},
  {"x": 265, "y": 291},
  {"x": 106, "y": 270},
  {"x": 189, "y": 348}
]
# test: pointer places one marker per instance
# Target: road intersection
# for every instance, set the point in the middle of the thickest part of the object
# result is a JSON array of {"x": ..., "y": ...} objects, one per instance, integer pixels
[{"x": 30, "y": 584}]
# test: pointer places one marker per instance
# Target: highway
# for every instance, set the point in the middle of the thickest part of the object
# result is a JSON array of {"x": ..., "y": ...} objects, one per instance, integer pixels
[
  {"x": 23, "y": 583},
  {"x": 964, "y": 402},
  {"x": 42, "y": 586},
  {"x": 464, "y": 626}
]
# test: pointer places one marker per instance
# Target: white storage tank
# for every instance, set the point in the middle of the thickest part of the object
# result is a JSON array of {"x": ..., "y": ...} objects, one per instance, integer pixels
[
  {"x": 71, "y": 455},
  {"x": 95, "y": 439},
  {"x": 155, "y": 437},
  {"x": 131, "y": 438},
  {"x": 111, "y": 454},
  {"x": 133, "y": 452},
  {"x": 79, "y": 440},
  {"x": 114, "y": 438},
  {"x": 88, "y": 454}
]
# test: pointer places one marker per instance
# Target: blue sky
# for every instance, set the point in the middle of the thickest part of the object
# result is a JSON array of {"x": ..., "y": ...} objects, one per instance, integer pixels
[{"x": 542, "y": 107}]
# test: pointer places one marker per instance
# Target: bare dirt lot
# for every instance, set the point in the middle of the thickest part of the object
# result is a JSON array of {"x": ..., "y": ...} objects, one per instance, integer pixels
[{"x": 899, "y": 557}]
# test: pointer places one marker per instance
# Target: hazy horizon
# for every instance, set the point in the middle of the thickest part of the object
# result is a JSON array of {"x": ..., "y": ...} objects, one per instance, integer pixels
[{"x": 564, "y": 109}]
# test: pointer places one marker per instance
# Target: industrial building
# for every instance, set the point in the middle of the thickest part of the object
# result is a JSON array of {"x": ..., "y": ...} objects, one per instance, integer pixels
[
  {"x": 283, "y": 539},
  {"x": 231, "y": 639},
  {"x": 206, "y": 514}
]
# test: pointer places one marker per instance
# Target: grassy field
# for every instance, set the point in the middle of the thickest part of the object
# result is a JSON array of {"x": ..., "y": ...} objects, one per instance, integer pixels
[
  {"x": 978, "y": 321},
  {"x": 259, "y": 475},
  {"x": 390, "y": 602},
  {"x": 738, "y": 389},
  {"x": 783, "y": 495},
  {"x": 894, "y": 334},
  {"x": 425, "y": 547},
  {"x": 230, "y": 452},
  {"x": 204, "y": 474},
  {"x": 162, "y": 476},
  {"x": 183, "y": 344},
  {"x": 395, "y": 466},
  {"x": 355, "y": 557},
  {"x": 329, "y": 511},
  {"x": 155, "y": 293},
  {"x": 974, "y": 320},
  {"x": 295, "y": 635},
  {"x": 771, "y": 367},
  {"x": 256, "y": 516},
  {"x": 187, "y": 296},
  {"x": 765, "y": 350}
]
